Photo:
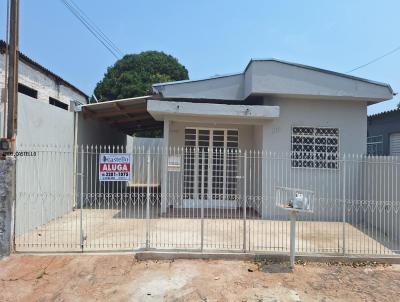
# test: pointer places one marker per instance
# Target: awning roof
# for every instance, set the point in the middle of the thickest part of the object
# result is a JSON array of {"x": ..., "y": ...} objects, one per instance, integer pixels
[{"x": 127, "y": 115}]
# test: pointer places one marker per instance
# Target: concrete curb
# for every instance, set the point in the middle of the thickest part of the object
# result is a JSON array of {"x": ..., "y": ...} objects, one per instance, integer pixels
[
  {"x": 184, "y": 255},
  {"x": 159, "y": 255}
]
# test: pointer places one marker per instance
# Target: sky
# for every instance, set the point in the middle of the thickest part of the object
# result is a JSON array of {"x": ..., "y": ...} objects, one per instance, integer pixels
[{"x": 213, "y": 37}]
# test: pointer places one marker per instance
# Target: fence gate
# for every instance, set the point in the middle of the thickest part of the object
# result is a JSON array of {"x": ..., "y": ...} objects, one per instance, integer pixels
[{"x": 207, "y": 195}]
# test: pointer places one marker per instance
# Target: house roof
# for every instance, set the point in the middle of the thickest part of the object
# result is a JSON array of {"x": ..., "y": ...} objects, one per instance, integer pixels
[
  {"x": 126, "y": 115},
  {"x": 277, "y": 77},
  {"x": 384, "y": 113},
  {"x": 24, "y": 58},
  {"x": 327, "y": 71}
]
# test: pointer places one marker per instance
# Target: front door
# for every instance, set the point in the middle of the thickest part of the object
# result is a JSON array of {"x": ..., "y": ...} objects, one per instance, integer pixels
[{"x": 211, "y": 168}]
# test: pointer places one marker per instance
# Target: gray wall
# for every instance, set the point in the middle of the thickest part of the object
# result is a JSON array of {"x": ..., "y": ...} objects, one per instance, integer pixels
[
  {"x": 138, "y": 147},
  {"x": 384, "y": 124},
  {"x": 45, "y": 180},
  {"x": 7, "y": 170},
  {"x": 94, "y": 132},
  {"x": 275, "y": 136},
  {"x": 349, "y": 117}
]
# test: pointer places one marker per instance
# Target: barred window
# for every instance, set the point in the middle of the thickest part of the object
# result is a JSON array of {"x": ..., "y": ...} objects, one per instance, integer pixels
[{"x": 315, "y": 147}]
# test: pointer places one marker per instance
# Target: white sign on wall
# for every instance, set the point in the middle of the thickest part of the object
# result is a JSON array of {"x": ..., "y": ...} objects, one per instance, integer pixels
[{"x": 115, "y": 167}]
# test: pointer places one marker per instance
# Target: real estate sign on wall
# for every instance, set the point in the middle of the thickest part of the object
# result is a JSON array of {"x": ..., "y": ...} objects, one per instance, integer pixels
[{"x": 115, "y": 167}]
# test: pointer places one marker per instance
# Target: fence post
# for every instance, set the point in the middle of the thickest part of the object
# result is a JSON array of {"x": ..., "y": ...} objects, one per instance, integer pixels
[
  {"x": 148, "y": 201},
  {"x": 81, "y": 203},
  {"x": 202, "y": 200},
  {"x": 244, "y": 199},
  {"x": 344, "y": 205}
]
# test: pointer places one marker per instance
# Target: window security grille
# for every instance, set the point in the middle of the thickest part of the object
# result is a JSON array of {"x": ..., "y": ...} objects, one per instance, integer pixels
[
  {"x": 220, "y": 166},
  {"x": 315, "y": 147},
  {"x": 375, "y": 145}
]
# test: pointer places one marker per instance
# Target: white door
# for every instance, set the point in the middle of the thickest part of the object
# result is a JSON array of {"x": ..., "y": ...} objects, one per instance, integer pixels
[
  {"x": 395, "y": 143},
  {"x": 210, "y": 178}
]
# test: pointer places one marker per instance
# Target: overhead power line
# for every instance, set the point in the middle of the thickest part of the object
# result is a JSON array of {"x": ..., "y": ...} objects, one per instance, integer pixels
[
  {"x": 102, "y": 34},
  {"x": 374, "y": 60},
  {"x": 93, "y": 28}
]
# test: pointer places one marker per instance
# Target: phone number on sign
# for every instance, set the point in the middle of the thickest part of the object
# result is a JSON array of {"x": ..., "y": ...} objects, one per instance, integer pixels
[{"x": 115, "y": 174}]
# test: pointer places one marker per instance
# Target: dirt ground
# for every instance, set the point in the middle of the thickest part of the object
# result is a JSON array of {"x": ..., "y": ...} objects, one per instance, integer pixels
[{"x": 123, "y": 278}]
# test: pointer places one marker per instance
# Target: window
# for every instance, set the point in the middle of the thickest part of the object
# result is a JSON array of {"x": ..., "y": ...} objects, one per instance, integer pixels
[
  {"x": 57, "y": 103},
  {"x": 375, "y": 145},
  {"x": 315, "y": 147},
  {"x": 27, "y": 91}
]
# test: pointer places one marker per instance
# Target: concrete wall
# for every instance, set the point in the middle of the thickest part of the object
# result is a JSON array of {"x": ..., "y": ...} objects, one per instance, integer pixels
[
  {"x": 7, "y": 170},
  {"x": 42, "y": 124},
  {"x": 274, "y": 137},
  {"x": 349, "y": 117},
  {"x": 384, "y": 125},
  {"x": 94, "y": 132},
  {"x": 45, "y": 177},
  {"x": 378, "y": 209},
  {"x": 138, "y": 146},
  {"x": 45, "y": 84}
]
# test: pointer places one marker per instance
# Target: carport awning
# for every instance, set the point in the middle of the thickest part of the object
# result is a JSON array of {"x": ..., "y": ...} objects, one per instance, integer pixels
[{"x": 127, "y": 115}]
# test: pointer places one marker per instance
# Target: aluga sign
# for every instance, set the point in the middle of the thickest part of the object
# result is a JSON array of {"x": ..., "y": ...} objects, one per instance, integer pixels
[{"x": 115, "y": 167}]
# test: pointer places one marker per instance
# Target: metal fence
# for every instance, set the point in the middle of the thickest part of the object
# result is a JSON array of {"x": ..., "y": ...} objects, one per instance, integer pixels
[{"x": 220, "y": 199}]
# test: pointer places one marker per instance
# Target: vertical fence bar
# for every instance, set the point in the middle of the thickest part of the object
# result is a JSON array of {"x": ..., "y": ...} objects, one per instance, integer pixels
[
  {"x": 244, "y": 199},
  {"x": 148, "y": 201},
  {"x": 344, "y": 205},
  {"x": 81, "y": 205},
  {"x": 202, "y": 201}
]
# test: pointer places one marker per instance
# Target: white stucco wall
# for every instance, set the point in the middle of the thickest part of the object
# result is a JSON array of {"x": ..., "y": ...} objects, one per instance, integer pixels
[
  {"x": 349, "y": 117},
  {"x": 275, "y": 136},
  {"x": 45, "y": 181},
  {"x": 43, "y": 83}
]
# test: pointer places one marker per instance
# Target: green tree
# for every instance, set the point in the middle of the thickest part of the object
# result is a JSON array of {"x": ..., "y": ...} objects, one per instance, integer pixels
[{"x": 134, "y": 74}]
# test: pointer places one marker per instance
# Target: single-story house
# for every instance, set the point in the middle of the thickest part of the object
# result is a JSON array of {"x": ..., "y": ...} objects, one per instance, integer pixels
[
  {"x": 384, "y": 133},
  {"x": 273, "y": 106}
]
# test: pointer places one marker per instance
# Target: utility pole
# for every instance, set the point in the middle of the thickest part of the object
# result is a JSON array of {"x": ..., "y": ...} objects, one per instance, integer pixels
[
  {"x": 12, "y": 83},
  {"x": 8, "y": 163}
]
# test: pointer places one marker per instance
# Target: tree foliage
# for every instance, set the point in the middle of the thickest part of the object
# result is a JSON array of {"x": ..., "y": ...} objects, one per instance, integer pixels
[{"x": 134, "y": 74}]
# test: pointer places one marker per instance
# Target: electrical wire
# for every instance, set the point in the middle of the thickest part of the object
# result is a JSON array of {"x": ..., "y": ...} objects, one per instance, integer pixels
[
  {"x": 88, "y": 27},
  {"x": 374, "y": 60},
  {"x": 97, "y": 29},
  {"x": 92, "y": 30}
]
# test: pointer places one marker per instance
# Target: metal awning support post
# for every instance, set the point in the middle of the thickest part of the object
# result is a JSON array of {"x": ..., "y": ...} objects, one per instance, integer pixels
[{"x": 148, "y": 200}]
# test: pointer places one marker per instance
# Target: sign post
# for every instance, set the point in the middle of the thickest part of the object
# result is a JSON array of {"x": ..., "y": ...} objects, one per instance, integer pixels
[
  {"x": 294, "y": 201},
  {"x": 115, "y": 167}
]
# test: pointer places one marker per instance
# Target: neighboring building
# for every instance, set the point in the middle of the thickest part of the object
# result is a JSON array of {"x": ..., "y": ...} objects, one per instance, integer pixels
[
  {"x": 384, "y": 133},
  {"x": 274, "y": 106},
  {"x": 38, "y": 83}
]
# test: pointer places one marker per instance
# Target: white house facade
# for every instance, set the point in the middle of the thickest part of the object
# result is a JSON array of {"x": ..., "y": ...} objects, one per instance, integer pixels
[{"x": 311, "y": 115}]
